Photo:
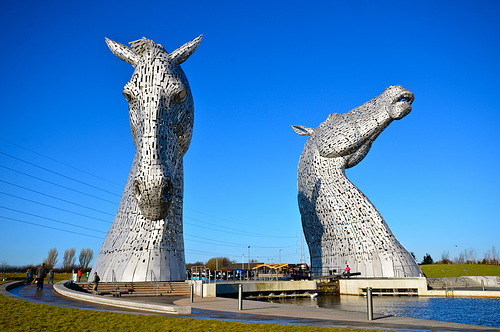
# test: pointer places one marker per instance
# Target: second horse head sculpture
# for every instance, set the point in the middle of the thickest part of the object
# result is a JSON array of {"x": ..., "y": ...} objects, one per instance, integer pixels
[{"x": 341, "y": 225}]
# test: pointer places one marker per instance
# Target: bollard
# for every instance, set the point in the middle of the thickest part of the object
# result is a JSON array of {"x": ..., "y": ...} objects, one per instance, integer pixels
[
  {"x": 482, "y": 284},
  {"x": 191, "y": 293},
  {"x": 240, "y": 297},
  {"x": 369, "y": 303}
]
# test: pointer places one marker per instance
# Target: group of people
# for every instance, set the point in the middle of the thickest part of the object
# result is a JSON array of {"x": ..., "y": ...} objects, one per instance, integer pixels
[
  {"x": 42, "y": 272},
  {"x": 39, "y": 275}
]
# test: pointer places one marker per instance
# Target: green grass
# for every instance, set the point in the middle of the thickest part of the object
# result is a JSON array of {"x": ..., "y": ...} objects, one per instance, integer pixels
[
  {"x": 18, "y": 315},
  {"x": 436, "y": 270}
]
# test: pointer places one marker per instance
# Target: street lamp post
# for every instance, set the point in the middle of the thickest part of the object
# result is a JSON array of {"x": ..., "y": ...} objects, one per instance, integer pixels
[{"x": 248, "y": 262}]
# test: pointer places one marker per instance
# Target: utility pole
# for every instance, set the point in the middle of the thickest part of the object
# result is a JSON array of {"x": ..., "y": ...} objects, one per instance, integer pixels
[
  {"x": 248, "y": 262},
  {"x": 302, "y": 256}
]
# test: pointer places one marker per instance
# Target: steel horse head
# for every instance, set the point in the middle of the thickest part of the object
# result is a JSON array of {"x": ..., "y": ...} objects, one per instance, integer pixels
[
  {"x": 161, "y": 119},
  {"x": 145, "y": 241}
]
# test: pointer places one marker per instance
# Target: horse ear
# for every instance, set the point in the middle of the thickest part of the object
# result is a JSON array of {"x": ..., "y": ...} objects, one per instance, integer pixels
[
  {"x": 301, "y": 130},
  {"x": 184, "y": 52},
  {"x": 123, "y": 52}
]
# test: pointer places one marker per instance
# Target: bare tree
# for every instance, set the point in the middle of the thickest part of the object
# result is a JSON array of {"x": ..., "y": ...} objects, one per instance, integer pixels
[
  {"x": 86, "y": 256},
  {"x": 470, "y": 255},
  {"x": 494, "y": 254},
  {"x": 491, "y": 256},
  {"x": 69, "y": 259},
  {"x": 445, "y": 258},
  {"x": 51, "y": 259},
  {"x": 4, "y": 267}
]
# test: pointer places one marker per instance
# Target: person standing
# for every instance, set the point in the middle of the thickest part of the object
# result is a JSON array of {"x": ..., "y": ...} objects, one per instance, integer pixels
[
  {"x": 347, "y": 271},
  {"x": 41, "y": 273},
  {"x": 79, "y": 275},
  {"x": 51, "y": 277},
  {"x": 29, "y": 276},
  {"x": 96, "y": 282}
]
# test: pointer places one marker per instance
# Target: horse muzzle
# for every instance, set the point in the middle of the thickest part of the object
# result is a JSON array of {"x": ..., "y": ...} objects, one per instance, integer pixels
[{"x": 153, "y": 192}]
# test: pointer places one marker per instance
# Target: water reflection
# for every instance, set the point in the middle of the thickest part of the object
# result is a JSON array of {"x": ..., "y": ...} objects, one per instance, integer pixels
[{"x": 478, "y": 311}]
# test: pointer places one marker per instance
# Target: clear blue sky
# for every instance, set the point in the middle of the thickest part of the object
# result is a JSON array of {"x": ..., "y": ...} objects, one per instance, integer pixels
[{"x": 261, "y": 67}]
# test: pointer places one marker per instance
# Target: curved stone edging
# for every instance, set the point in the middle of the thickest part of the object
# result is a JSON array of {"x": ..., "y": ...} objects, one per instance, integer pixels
[
  {"x": 4, "y": 289},
  {"x": 62, "y": 289}
]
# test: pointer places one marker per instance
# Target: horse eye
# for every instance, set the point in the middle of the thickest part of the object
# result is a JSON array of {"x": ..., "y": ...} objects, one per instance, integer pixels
[
  {"x": 181, "y": 96},
  {"x": 127, "y": 96}
]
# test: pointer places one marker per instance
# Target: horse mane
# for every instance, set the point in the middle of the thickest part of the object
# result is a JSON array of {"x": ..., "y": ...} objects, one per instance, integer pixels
[{"x": 141, "y": 46}]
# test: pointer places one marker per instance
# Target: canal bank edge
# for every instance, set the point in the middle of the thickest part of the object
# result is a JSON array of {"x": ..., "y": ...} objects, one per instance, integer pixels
[{"x": 405, "y": 286}]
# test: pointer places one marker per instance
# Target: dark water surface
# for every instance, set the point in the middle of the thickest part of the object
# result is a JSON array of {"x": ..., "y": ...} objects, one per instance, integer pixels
[{"x": 477, "y": 311}]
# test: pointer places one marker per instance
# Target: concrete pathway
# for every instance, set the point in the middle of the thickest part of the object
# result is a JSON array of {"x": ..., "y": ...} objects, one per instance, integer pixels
[
  {"x": 253, "y": 312},
  {"x": 295, "y": 314}
]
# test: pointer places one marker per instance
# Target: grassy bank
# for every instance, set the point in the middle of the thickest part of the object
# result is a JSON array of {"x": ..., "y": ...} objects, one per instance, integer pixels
[{"x": 436, "y": 270}]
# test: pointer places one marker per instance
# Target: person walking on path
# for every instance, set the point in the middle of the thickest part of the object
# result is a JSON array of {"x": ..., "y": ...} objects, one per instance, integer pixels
[
  {"x": 96, "y": 282},
  {"x": 29, "y": 276},
  {"x": 41, "y": 273},
  {"x": 79, "y": 275},
  {"x": 51, "y": 277}
]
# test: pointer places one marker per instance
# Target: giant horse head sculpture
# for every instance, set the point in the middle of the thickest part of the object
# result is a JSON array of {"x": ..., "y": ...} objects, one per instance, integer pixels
[
  {"x": 341, "y": 225},
  {"x": 145, "y": 241}
]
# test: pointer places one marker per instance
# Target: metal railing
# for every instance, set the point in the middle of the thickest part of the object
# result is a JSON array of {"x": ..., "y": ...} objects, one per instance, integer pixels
[
  {"x": 477, "y": 274},
  {"x": 457, "y": 277},
  {"x": 430, "y": 273},
  {"x": 155, "y": 282},
  {"x": 115, "y": 282},
  {"x": 324, "y": 272},
  {"x": 433, "y": 276}
]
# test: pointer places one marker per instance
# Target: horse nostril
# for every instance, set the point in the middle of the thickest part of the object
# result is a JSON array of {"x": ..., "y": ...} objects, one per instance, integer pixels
[
  {"x": 168, "y": 190},
  {"x": 137, "y": 189}
]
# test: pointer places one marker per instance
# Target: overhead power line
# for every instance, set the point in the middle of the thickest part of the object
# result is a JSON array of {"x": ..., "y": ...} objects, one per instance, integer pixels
[
  {"x": 57, "y": 198},
  {"x": 55, "y": 207},
  {"x": 59, "y": 174},
  {"x": 59, "y": 162},
  {"x": 58, "y": 185},
  {"x": 55, "y": 228},
  {"x": 51, "y": 219},
  {"x": 234, "y": 231},
  {"x": 232, "y": 244}
]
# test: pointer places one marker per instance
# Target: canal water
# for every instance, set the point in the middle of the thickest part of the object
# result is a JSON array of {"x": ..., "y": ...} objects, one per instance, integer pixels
[{"x": 477, "y": 311}]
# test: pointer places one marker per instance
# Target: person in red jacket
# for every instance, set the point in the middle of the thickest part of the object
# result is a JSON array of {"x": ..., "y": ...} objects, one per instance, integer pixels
[{"x": 347, "y": 271}]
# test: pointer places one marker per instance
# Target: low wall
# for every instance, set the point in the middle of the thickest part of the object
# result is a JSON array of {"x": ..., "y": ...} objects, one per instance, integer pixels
[
  {"x": 413, "y": 286},
  {"x": 224, "y": 287},
  {"x": 199, "y": 287},
  {"x": 269, "y": 286},
  {"x": 63, "y": 289},
  {"x": 461, "y": 293},
  {"x": 489, "y": 281},
  {"x": 355, "y": 286}
]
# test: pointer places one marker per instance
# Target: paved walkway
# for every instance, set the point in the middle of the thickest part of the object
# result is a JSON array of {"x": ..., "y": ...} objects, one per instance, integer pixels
[
  {"x": 254, "y": 312},
  {"x": 305, "y": 315}
]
